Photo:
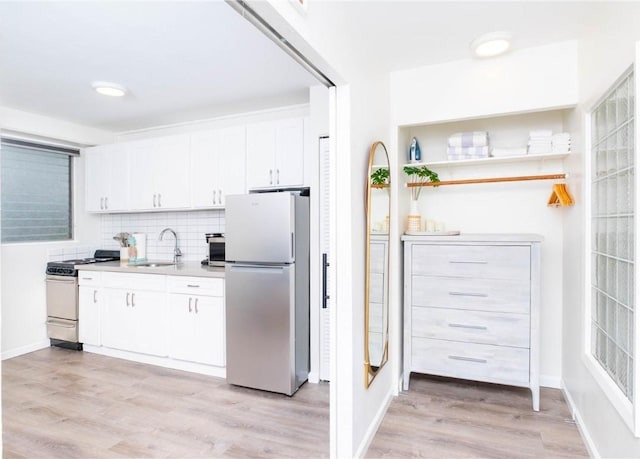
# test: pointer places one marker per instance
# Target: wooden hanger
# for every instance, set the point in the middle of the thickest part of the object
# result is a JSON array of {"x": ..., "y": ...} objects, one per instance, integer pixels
[{"x": 560, "y": 196}]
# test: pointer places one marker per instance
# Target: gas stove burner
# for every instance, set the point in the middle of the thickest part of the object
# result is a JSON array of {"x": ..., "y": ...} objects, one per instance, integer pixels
[{"x": 66, "y": 267}]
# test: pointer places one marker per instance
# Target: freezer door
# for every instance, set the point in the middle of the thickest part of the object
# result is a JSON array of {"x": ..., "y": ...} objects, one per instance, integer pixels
[
  {"x": 260, "y": 333},
  {"x": 260, "y": 228}
]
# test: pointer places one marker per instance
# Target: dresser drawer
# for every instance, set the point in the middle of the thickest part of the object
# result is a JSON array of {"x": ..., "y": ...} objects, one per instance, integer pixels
[
  {"x": 480, "y": 362},
  {"x": 378, "y": 258},
  {"x": 496, "y": 295},
  {"x": 472, "y": 261},
  {"x": 471, "y": 326},
  {"x": 376, "y": 287}
]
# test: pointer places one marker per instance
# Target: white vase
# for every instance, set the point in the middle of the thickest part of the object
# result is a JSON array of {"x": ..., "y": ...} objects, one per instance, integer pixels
[{"x": 413, "y": 209}]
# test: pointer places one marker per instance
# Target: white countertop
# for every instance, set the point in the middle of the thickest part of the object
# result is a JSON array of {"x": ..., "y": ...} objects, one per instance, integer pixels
[
  {"x": 489, "y": 237},
  {"x": 189, "y": 268}
]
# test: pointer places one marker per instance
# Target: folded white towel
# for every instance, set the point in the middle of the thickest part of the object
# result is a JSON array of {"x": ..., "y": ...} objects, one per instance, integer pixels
[
  {"x": 507, "y": 152},
  {"x": 469, "y": 139},
  {"x": 476, "y": 152}
]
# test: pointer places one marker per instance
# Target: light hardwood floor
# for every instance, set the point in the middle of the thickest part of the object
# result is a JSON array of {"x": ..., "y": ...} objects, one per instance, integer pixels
[
  {"x": 448, "y": 418},
  {"x": 67, "y": 404},
  {"x": 60, "y": 403}
]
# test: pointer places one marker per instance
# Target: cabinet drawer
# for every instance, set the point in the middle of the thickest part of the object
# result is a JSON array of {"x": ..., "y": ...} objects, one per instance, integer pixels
[
  {"x": 195, "y": 285},
  {"x": 378, "y": 257},
  {"x": 475, "y": 261},
  {"x": 90, "y": 278},
  {"x": 471, "y": 326},
  {"x": 480, "y": 362},
  {"x": 153, "y": 282},
  {"x": 376, "y": 287},
  {"x": 497, "y": 295}
]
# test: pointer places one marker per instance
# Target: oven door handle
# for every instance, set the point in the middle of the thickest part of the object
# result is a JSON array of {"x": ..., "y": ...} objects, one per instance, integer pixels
[
  {"x": 59, "y": 324},
  {"x": 70, "y": 281}
]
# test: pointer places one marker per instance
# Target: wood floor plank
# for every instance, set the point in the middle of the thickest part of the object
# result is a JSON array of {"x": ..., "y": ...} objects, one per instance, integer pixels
[{"x": 441, "y": 417}]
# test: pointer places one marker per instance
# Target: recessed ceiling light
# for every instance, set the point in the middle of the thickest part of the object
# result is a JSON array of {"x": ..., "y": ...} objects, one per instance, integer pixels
[
  {"x": 491, "y": 44},
  {"x": 109, "y": 89}
]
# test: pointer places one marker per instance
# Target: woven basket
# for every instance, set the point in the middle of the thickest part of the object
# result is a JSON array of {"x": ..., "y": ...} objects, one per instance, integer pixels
[{"x": 414, "y": 223}]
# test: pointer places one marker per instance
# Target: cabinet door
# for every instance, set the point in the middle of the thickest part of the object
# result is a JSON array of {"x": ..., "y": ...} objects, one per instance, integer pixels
[
  {"x": 209, "y": 330},
  {"x": 289, "y": 152},
  {"x": 116, "y": 165},
  {"x": 232, "y": 154},
  {"x": 142, "y": 160},
  {"x": 117, "y": 324},
  {"x": 261, "y": 151},
  {"x": 205, "y": 169},
  {"x": 149, "y": 322},
  {"x": 181, "y": 327},
  {"x": 171, "y": 167},
  {"x": 89, "y": 316},
  {"x": 96, "y": 178}
]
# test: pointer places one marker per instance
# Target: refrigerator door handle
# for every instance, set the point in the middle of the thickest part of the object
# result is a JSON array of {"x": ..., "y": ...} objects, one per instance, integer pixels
[{"x": 293, "y": 247}]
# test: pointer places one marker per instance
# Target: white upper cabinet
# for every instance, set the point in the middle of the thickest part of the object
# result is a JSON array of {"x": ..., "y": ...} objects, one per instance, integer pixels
[
  {"x": 160, "y": 173},
  {"x": 107, "y": 178},
  {"x": 275, "y": 153},
  {"x": 217, "y": 166}
]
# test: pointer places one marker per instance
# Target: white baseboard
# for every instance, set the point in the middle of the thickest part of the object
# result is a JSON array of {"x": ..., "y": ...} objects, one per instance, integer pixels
[
  {"x": 584, "y": 433},
  {"x": 550, "y": 381},
  {"x": 25, "y": 349},
  {"x": 373, "y": 427}
]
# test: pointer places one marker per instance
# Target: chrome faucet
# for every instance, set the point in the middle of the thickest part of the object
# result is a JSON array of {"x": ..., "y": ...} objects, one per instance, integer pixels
[{"x": 176, "y": 251}]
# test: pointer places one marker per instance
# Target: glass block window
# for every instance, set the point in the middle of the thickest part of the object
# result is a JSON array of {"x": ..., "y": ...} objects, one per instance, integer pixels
[
  {"x": 612, "y": 233},
  {"x": 35, "y": 192}
]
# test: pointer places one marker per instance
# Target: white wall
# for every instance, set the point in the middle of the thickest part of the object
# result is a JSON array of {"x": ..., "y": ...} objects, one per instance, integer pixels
[
  {"x": 471, "y": 89},
  {"x": 604, "y": 54},
  {"x": 23, "y": 305}
]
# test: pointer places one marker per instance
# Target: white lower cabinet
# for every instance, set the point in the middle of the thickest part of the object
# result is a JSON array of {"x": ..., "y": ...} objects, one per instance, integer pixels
[
  {"x": 197, "y": 329},
  {"x": 135, "y": 321},
  {"x": 174, "y": 321}
]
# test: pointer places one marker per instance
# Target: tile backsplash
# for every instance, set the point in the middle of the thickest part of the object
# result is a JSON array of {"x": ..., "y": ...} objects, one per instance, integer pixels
[{"x": 190, "y": 227}]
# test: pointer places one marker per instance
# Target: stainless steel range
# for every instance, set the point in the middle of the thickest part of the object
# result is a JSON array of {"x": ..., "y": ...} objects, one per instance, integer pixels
[{"x": 62, "y": 297}]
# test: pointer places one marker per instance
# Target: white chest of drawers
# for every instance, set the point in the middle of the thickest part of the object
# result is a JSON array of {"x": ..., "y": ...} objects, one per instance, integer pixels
[{"x": 471, "y": 308}]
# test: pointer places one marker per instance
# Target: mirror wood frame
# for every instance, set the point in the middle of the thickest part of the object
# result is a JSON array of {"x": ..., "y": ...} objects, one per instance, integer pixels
[{"x": 372, "y": 370}]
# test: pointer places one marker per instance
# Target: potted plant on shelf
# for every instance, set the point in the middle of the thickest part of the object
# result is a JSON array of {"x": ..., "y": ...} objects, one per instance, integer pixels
[
  {"x": 380, "y": 177},
  {"x": 418, "y": 175}
]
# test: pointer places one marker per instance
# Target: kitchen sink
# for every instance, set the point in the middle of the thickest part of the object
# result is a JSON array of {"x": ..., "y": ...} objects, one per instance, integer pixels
[{"x": 152, "y": 264}]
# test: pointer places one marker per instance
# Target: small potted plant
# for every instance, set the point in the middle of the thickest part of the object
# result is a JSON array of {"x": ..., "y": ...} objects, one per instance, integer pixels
[
  {"x": 417, "y": 175},
  {"x": 380, "y": 177}
]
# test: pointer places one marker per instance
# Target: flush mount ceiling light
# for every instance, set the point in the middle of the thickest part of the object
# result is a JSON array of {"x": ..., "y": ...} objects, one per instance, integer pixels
[
  {"x": 491, "y": 44},
  {"x": 109, "y": 89}
]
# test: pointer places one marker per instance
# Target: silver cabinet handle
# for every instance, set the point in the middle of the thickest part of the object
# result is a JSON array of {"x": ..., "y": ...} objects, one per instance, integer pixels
[
  {"x": 106, "y": 202},
  {"x": 467, "y": 359},
  {"x": 133, "y": 299},
  {"x": 189, "y": 304},
  {"x": 214, "y": 197},
  {"x": 270, "y": 176},
  {"x": 193, "y": 286},
  {"x": 127, "y": 298},
  {"x": 94, "y": 296},
  {"x": 219, "y": 196},
  {"x": 154, "y": 201},
  {"x": 479, "y": 295},
  {"x": 277, "y": 176},
  {"x": 87, "y": 278},
  {"x": 196, "y": 305},
  {"x": 159, "y": 198},
  {"x": 472, "y": 327},
  {"x": 101, "y": 203},
  {"x": 470, "y": 262},
  {"x": 72, "y": 281}
]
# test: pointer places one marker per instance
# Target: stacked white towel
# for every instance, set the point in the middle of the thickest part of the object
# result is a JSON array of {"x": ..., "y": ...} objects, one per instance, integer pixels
[
  {"x": 540, "y": 141},
  {"x": 468, "y": 145},
  {"x": 561, "y": 143}
]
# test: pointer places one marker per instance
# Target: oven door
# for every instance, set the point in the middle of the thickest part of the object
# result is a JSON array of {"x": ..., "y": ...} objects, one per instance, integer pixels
[
  {"x": 62, "y": 297},
  {"x": 62, "y": 329}
]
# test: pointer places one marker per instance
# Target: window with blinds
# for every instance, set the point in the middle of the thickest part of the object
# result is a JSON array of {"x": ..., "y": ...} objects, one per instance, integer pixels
[
  {"x": 36, "y": 192},
  {"x": 613, "y": 233}
]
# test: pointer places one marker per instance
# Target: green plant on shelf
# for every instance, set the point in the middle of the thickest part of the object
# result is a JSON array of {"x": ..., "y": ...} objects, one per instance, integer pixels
[
  {"x": 419, "y": 175},
  {"x": 380, "y": 176}
]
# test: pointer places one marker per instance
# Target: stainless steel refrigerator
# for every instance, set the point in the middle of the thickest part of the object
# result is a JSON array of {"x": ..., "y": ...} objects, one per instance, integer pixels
[{"x": 267, "y": 290}]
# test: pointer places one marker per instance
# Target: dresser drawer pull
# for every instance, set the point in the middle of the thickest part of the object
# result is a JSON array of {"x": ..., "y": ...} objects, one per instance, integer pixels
[
  {"x": 192, "y": 286},
  {"x": 471, "y": 262},
  {"x": 473, "y": 327},
  {"x": 467, "y": 359},
  {"x": 480, "y": 295}
]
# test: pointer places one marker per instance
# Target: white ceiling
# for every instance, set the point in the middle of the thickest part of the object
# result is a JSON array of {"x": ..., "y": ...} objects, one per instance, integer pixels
[{"x": 184, "y": 61}]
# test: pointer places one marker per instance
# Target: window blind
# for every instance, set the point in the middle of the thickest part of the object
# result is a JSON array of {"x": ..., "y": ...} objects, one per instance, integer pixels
[{"x": 36, "y": 192}]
